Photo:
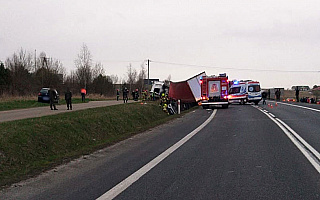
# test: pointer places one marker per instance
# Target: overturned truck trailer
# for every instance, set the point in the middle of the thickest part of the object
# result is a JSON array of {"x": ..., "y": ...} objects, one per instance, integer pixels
[{"x": 188, "y": 91}]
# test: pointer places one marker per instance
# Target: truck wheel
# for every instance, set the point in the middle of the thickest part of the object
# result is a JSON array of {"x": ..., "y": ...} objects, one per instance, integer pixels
[{"x": 256, "y": 102}]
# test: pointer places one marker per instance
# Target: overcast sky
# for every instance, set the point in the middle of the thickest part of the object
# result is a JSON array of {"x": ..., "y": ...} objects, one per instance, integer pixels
[{"x": 264, "y": 40}]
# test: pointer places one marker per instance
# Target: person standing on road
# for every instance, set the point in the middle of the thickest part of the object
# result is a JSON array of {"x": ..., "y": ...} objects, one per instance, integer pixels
[
  {"x": 83, "y": 94},
  {"x": 278, "y": 94},
  {"x": 297, "y": 93},
  {"x": 118, "y": 94},
  {"x": 264, "y": 97},
  {"x": 125, "y": 95},
  {"x": 68, "y": 96},
  {"x": 136, "y": 95},
  {"x": 53, "y": 97}
]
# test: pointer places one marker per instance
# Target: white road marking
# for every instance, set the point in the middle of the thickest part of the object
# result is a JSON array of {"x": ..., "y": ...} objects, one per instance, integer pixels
[
  {"x": 306, "y": 149},
  {"x": 288, "y": 104},
  {"x": 123, "y": 185},
  {"x": 272, "y": 115},
  {"x": 307, "y": 145}
]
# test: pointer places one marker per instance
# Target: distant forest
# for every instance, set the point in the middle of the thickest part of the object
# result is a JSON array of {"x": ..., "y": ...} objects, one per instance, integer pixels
[{"x": 24, "y": 73}]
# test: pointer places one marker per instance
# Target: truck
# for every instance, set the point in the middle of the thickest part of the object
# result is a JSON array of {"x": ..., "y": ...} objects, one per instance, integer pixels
[
  {"x": 157, "y": 88},
  {"x": 245, "y": 91},
  {"x": 214, "y": 91},
  {"x": 188, "y": 91}
]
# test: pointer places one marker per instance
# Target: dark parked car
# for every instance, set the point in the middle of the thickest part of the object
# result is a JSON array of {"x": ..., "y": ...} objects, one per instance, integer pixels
[{"x": 44, "y": 96}]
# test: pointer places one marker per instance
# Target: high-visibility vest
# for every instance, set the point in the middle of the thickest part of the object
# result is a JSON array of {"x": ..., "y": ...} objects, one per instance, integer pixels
[{"x": 84, "y": 91}]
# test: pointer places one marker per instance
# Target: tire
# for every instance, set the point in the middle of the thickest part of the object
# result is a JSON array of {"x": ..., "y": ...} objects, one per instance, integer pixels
[
  {"x": 256, "y": 102},
  {"x": 225, "y": 106}
]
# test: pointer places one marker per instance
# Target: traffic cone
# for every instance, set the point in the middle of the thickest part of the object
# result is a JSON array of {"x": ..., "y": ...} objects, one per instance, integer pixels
[
  {"x": 271, "y": 106},
  {"x": 268, "y": 104},
  {"x": 276, "y": 104}
]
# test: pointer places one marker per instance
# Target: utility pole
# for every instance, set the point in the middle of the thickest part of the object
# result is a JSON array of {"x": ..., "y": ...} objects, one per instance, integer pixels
[
  {"x": 35, "y": 60},
  {"x": 148, "y": 74}
]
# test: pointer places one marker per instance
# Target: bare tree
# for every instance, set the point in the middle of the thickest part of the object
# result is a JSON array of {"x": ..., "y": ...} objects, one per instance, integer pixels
[
  {"x": 5, "y": 79},
  {"x": 114, "y": 79},
  {"x": 97, "y": 70},
  {"x": 141, "y": 78},
  {"x": 57, "y": 67},
  {"x": 84, "y": 67},
  {"x": 102, "y": 85},
  {"x": 50, "y": 72},
  {"x": 132, "y": 77},
  {"x": 71, "y": 81},
  {"x": 20, "y": 65}
]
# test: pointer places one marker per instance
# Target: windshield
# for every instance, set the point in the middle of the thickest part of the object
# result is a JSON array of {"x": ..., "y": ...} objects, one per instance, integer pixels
[
  {"x": 234, "y": 90},
  {"x": 254, "y": 88},
  {"x": 44, "y": 90}
]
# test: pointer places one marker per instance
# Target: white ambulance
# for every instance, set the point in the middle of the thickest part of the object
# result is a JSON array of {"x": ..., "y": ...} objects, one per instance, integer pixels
[{"x": 245, "y": 91}]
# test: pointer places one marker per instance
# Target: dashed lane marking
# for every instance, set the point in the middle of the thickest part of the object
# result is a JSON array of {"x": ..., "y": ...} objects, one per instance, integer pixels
[{"x": 306, "y": 149}]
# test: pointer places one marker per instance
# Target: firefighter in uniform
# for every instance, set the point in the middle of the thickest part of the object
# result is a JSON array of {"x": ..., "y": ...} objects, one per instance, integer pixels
[
  {"x": 136, "y": 95},
  {"x": 164, "y": 102},
  {"x": 144, "y": 95}
]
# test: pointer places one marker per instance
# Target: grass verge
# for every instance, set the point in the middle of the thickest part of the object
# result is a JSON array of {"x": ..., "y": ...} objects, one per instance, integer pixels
[{"x": 30, "y": 146}]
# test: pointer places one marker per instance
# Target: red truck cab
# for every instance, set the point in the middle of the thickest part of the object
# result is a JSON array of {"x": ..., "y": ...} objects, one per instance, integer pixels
[{"x": 214, "y": 91}]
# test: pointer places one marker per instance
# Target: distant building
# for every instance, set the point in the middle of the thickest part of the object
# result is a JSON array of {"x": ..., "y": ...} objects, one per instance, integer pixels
[{"x": 301, "y": 88}]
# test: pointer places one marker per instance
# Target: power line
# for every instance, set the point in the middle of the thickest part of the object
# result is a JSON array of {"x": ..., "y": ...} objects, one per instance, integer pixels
[
  {"x": 111, "y": 61},
  {"x": 232, "y": 68}
]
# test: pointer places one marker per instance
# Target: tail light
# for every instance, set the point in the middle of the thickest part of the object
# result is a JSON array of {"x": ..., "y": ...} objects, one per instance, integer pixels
[
  {"x": 39, "y": 94},
  {"x": 204, "y": 98}
]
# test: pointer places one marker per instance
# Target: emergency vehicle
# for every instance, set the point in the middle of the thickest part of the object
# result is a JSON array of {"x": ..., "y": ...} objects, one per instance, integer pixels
[
  {"x": 245, "y": 91},
  {"x": 214, "y": 91}
]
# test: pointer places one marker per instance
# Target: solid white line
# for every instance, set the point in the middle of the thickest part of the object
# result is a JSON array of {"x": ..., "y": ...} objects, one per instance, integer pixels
[
  {"x": 123, "y": 185},
  {"x": 298, "y": 144},
  {"x": 288, "y": 104},
  {"x": 272, "y": 115},
  {"x": 307, "y": 145}
]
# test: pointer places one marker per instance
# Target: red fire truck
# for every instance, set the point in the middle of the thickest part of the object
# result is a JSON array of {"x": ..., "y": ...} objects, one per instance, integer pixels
[{"x": 214, "y": 91}]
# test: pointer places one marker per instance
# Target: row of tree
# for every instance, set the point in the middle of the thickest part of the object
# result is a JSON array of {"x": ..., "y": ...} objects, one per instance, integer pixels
[{"x": 25, "y": 74}]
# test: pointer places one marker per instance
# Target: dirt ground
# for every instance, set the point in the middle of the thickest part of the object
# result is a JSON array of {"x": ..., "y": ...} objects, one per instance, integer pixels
[{"x": 292, "y": 94}]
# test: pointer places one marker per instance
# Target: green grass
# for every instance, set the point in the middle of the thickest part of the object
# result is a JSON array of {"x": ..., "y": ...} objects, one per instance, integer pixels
[
  {"x": 20, "y": 104},
  {"x": 30, "y": 146}
]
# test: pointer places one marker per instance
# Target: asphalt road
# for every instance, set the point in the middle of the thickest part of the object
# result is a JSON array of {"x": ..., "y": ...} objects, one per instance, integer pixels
[
  {"x": 12, "y": 115},
  {"x": 243, "y": 152}
]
